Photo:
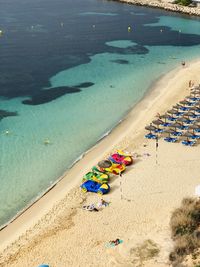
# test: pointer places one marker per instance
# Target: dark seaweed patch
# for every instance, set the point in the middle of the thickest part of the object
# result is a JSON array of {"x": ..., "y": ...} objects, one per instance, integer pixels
[
  {"x": 120, "y": 61},
  {"x": 5, "y": 113},
  {"x": 50, "y": 95},
  {"x": 84, "y": 85},
  {"x": 135, "y": 49}
]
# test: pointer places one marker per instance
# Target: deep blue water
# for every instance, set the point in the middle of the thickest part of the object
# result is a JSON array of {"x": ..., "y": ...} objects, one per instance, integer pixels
[{"x": 62, "y": 64}]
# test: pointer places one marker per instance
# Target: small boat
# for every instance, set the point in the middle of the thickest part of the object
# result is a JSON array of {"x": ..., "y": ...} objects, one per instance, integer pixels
[
  {"x": 91, "y": 186},
  {"x": 96, "y": 177},
  {"x": 116, "y": 168},
  {"x": 121, "y": 157}
]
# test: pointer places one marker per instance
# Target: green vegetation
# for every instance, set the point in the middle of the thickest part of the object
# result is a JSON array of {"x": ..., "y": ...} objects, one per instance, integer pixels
[
  {"x": 144, "y": 252},
  {"x": 183, "y": 2},
  {"x": 185, "y": 229}
]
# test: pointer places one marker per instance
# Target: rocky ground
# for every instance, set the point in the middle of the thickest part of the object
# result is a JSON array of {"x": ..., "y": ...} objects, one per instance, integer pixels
[{"x": 165, "y": 4}]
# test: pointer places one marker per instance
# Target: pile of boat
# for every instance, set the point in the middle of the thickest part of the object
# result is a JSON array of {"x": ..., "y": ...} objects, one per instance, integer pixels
[{"x": 97, "y": 180}]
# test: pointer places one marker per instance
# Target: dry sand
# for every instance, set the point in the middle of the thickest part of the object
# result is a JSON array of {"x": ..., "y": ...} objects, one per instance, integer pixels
[{"x": 57, "y": 231}]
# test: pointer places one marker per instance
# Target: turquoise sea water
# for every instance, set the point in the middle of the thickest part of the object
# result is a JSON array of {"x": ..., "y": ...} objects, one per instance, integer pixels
[{"x": 76, "y": 85}]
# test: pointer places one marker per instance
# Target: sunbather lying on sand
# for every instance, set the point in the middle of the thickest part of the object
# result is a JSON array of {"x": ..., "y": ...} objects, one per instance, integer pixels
[{"x": 115, "y": 242}]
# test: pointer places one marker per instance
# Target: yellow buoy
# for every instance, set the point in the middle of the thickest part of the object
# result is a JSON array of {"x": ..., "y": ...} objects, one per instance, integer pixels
[{"x": 129, "y": 28}]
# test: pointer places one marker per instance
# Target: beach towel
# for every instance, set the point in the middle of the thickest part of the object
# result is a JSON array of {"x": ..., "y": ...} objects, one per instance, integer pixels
[{"x": 111, "y": 244}]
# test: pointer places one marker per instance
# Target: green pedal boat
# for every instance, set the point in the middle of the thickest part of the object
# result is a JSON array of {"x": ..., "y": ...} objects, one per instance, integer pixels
[{"x": 100, "y": 177}]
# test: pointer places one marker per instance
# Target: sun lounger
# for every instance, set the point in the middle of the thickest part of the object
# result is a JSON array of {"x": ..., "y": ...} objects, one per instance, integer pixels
[
  {"x": 166, "y": 124},
  {"x": 179, "y": 114},
  {"x": 190, "y": 104},
  {"x": 177, "y": 133},
  {"x": 150, "y": 136},
  {"x": 189, "y": 121},
  {"x": 170, "y": 139},
  {"x": 194, "y": 116},
  {"x": 172, "y": 119},
  {"x": 158, "y": 130},
  {"x": 188, "y": 143},
  {"x": 195, "y": 136},
  {"x": 183, "y": 127},
  {"x": 193, "y": 98},
  {"x": 184, "y": 108}
]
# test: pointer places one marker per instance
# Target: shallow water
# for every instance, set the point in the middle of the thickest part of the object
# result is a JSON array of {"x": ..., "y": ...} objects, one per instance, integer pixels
[{"x": 69, "y": 72}]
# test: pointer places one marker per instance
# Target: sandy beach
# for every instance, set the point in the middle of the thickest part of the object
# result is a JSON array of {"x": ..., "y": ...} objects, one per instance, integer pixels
[{"x": 57, "y": 231}]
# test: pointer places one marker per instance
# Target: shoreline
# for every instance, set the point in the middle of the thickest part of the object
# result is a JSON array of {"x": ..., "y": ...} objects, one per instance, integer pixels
[
  {"x": 166, "y": 5},
  {"x": 101, "y": 139},
  {"x": 124, "y": 135},
  {"x": 20, "y": 213}
]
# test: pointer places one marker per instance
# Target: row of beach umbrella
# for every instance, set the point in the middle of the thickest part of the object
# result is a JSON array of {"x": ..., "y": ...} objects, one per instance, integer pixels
[{"x": 184, "y": 116}]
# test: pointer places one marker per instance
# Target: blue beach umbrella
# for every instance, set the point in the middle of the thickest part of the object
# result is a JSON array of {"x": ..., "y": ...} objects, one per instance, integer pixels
[{"x": 44, "y": 265}]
